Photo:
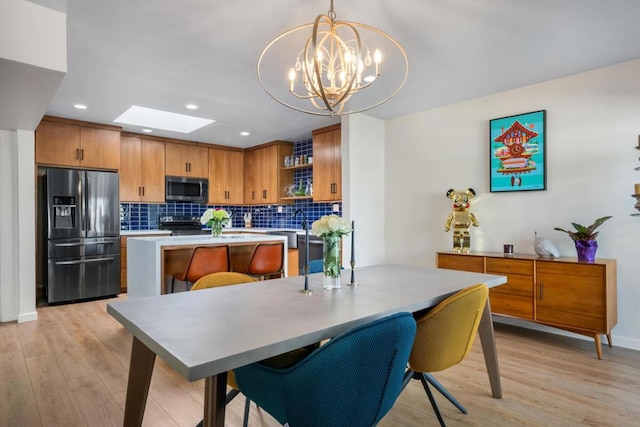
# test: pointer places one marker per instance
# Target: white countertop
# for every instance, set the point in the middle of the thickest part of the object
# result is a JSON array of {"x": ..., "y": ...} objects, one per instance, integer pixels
[
  {"x": 255, "y": 230},
  {"x": 143, "y": 232}
]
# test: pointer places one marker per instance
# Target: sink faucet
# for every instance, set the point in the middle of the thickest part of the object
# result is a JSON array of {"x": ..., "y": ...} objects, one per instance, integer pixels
[{"x": 304, "y": 218}]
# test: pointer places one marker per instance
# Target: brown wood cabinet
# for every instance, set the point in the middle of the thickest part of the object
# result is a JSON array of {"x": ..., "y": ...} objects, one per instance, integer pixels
[
  {"x": 187, "y": 160},
  {"x": 264, "y": 177},
  {"x": 61, "y": 142},
  {"x": 142, "y": 170},
  {"x": 226, "y": 177},
  {"x": 327, "y": 164},
  {"x": 565, "y": 293}
]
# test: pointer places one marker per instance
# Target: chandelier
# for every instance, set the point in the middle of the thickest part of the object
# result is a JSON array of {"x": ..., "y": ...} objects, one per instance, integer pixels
[{"x": 334, "y": 64}]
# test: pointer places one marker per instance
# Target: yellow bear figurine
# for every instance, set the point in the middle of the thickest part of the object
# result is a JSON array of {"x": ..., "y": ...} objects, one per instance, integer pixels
[{"x": 461, "y": 219}]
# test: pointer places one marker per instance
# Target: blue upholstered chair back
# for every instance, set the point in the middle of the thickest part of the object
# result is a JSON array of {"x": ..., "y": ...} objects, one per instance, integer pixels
[
  {"x": 353, "y": 380},
  {"x": 315, "y": 266}
]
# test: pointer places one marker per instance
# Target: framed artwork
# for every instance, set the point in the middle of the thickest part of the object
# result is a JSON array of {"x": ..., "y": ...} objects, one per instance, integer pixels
[{"x": 518, "y": 152}]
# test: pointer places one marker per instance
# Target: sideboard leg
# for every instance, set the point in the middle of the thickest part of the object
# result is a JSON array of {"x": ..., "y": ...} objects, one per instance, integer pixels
[
  {"x": 609, "y": 340},
  {"x": 596, "y": 338}
]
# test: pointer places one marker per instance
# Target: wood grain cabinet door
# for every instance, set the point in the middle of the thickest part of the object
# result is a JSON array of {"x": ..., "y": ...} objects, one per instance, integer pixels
[
  {"x": 571, "y": 295},
  {"x": 177, "y": 159},
  {"x": 198, "y": 158},
  {"x": 270, "y": 169},
  {"x": 327, "y": 164},
  {"x": 152, "y": 169},
  {"x": 235, "y": 177},
  {"x": 57, "y": 144},
  {"x": 100, "y": 148},
  {"x": 252, "y": 173},
  {"x": 130, "y": 171}
]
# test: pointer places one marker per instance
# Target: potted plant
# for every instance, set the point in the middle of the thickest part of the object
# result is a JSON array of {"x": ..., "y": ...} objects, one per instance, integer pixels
[{"x": 585, "y": 238}]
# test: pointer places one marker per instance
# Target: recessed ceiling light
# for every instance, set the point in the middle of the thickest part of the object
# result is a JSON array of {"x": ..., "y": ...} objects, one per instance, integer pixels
[
  {"x": 147, "y": 130},
  {"x": 245, "y": 133},
  {"x": 157, "y": 119},
  {"x": 191, "y": 106},
  {"x": 80, "y": 106}
]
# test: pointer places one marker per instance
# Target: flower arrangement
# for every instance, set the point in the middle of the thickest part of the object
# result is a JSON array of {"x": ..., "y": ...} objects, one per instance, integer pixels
[
  {"x": 331, "y": 228},
  {"x": 330, "y": 225},
  {"x": 215, "y": 218}
]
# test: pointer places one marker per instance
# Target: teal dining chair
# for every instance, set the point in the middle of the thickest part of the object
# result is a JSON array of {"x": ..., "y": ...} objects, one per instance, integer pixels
[{"x": 352, "y": 380}]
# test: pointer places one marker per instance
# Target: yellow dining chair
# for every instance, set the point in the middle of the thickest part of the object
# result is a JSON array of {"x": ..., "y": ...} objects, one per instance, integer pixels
[
  {"x": 444, "y": 337},
  {"x": 224, "y": 279}
]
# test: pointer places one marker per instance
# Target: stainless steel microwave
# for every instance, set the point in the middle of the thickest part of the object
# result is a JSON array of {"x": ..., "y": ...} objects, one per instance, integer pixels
[{"x": 184, "y": 189}]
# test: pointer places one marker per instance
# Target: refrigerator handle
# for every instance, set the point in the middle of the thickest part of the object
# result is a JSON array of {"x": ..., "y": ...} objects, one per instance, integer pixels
[
  {"x": 85, "y": 185},
  {"x": 83, "y": 207}
]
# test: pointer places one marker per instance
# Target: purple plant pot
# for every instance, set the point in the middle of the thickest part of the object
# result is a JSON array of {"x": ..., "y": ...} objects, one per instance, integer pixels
[{"x": 586, "y": 250}]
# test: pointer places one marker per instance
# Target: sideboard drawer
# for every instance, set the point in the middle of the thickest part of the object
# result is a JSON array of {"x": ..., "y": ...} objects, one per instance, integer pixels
[
  {"x": 509, "y": 265},
  {"x": 475, "y": 264}
]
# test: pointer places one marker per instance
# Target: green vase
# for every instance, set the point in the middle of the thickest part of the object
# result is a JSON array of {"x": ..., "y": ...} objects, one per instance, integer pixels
[
  {"x": 216, "y": 228},
  {"x": 300, "y": 191}
]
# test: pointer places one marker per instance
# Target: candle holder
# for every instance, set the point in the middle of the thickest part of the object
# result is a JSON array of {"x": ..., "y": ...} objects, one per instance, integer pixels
[{"x": 353, "y": 275}]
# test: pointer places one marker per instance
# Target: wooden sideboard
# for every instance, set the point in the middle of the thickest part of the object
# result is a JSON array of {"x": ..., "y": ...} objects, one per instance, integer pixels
[{"x": 565, "y": 293}]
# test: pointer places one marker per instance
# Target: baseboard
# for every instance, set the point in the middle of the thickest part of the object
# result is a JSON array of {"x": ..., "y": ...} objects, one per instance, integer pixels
[
  {"x": 618, "y": 341},
  {"x": 28, "y": 317},
  {"x": 8, "y": 317}
]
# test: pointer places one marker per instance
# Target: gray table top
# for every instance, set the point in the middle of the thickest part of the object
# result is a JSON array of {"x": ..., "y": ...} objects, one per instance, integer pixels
[{"x": 205, "y": 332}]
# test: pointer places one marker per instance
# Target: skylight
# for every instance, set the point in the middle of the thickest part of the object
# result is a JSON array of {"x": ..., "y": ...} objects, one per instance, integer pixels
[{"x": 164, "y": 120}]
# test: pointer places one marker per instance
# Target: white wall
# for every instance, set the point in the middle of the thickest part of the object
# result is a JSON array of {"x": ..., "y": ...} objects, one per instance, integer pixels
[
  {"x": 593, "y": 123},
  {"x": 363, "y": 187},
  {"x": 17, "y": 227}
]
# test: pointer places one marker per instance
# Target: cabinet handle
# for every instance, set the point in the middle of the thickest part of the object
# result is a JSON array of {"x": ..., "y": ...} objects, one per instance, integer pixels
[
  {"x": 139, "y": 191},
  {"x": 264, "y": 194},
  {"x": 253, "y": 195},
  {"x": 143, "y": 190},
  {"x": 82, "y": 154},
  {"x": 77, "y": 154},
  {"x": 189, "y": 167}
]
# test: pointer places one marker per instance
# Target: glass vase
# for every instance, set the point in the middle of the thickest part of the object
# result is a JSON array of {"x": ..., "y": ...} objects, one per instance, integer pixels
[
  {"x": 216, "y": 228},
  {"x": 332, "y": 260}
]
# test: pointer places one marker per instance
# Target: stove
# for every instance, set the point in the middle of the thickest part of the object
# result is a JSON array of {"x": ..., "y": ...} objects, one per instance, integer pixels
[{"x": 181, "y": 225}]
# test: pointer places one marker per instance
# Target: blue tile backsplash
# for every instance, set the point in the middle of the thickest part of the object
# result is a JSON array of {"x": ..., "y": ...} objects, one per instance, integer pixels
[{"x": 143, "y": 216}]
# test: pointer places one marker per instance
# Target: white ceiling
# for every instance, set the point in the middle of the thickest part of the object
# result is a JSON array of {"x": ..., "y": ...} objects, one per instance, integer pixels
[{"x": 164, "y": 54}]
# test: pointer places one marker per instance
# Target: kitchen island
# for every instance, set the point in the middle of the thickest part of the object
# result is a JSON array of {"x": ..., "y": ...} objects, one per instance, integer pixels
[{"x": 152, "y": 260}]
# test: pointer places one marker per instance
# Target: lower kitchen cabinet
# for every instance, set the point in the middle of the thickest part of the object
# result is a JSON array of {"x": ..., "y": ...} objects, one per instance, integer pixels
[{"x": 565, "y": 293}]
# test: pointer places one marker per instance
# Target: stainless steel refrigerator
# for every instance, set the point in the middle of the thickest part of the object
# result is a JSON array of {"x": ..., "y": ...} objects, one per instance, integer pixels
[{"x": 82, "y": 252}]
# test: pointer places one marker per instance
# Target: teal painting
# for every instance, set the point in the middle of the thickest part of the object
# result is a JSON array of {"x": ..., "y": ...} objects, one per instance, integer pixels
[{"x": 518, "y": 152}]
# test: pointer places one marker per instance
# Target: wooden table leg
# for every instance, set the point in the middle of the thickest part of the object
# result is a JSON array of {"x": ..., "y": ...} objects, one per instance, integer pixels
[
  {"x": 140, "y": 370},
  {"x": 215, "y": 399},
  {"x": 487, "y": 339}
]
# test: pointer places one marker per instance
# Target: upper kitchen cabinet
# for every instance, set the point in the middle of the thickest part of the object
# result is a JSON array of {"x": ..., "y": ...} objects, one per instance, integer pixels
[
  {"x": 226, "y": 177},
  {"x": 142, "y": 170},
  {"x": 187, "y": 160},
  {"x": 327, "y": 164},
  {"x": 264, "y": 179},
  {"x": 62, "y": 142}
]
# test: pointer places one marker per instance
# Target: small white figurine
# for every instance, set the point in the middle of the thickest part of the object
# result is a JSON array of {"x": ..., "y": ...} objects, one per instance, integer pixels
[{"x": 544, "y": 247}]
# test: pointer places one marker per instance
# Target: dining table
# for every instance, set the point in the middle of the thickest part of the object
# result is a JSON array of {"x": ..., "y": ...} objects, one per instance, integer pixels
[{"x": 203, "y": 334}]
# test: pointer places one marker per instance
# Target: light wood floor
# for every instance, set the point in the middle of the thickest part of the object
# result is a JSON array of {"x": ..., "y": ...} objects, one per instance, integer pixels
[{"x": 70, "y": 369}]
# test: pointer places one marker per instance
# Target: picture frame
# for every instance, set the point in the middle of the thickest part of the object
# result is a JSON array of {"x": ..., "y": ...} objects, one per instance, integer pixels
[{"x": 517, "y": 152}]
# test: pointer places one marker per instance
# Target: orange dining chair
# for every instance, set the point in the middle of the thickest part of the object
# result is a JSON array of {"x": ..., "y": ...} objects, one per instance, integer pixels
[
  {"x": 267, "y": 260},
  {"x": 205, "y": 260}
]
